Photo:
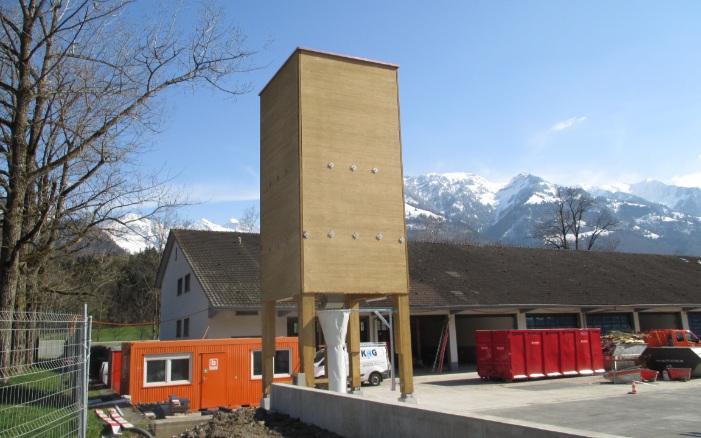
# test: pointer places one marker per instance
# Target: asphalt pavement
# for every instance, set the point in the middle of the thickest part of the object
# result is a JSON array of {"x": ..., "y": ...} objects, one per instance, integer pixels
[{"x": 589, "y": 405}]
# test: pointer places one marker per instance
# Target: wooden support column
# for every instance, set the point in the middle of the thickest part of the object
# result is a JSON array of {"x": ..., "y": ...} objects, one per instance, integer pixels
[
  {"x": 268, "y": 340},
  {"x": 307, "y": 337},
  {"x": 402, "y": 346},
  {"x": 353, "y": 341}
]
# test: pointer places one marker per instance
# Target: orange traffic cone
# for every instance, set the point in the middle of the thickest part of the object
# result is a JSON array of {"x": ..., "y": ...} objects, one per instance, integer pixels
[{"x": 633, "y": 390}]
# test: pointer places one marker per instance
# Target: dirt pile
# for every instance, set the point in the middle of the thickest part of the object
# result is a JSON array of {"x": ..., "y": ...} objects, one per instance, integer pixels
[{"x": 254, "y": 422}]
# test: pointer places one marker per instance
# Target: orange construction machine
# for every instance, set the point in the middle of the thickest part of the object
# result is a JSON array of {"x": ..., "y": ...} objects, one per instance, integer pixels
[
  {"x": 671, "y": 338},
  {"x": 669, "y": 349}
]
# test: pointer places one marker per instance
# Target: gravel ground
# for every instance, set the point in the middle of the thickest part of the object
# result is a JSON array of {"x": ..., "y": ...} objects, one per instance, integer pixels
[{"x": 254, "y": 422}]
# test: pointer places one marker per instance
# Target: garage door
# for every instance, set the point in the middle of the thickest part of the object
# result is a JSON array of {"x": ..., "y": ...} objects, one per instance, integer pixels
[
  {"x": 651, "y": 321},
  {"x": 695, "y": 323}
]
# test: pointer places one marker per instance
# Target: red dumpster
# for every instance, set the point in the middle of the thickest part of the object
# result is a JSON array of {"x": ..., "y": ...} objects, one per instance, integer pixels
[{"x": 529, "y": 354}]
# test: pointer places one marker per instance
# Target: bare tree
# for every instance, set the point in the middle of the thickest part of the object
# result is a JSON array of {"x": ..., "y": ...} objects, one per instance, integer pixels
[
  {"x": 81, "y": 91},
  {"x": 249, "y": 222},
  {"x": 603, "y": 223},
  {"x": 565, "y": 225}
]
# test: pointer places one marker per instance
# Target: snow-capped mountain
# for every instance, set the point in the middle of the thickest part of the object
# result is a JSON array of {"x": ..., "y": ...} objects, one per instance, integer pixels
[
  {"x": 137, "y": 234},
  {"x": 653, "y": 217}
]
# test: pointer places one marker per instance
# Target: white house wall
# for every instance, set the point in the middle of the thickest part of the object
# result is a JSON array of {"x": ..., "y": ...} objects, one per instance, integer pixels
[{"x": 174, "y": 307}]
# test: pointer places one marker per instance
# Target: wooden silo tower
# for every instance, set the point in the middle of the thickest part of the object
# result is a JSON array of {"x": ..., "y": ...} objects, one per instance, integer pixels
[{"x": 332, "y": 204}]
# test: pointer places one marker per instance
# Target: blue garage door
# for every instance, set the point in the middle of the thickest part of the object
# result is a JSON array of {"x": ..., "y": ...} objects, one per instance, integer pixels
[
  {"x": 551, "y": 321},
  {"x": 610, "y": 322},
  {"x": 695, "y": 323}
]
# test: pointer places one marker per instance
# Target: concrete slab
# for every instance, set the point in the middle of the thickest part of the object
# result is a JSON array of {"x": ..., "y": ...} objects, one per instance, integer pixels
[{"x": 588, "y": 404}]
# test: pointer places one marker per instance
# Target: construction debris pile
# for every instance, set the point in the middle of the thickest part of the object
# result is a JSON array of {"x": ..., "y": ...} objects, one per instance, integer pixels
[{"x": 612, "y": 340}]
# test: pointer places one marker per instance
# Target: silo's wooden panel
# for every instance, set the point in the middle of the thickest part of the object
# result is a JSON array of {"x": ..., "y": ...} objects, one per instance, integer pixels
[
  {"x": 279, "y": 185},
  {"x": 350, "y": 117},
  {"x": 319, "y": 109}
]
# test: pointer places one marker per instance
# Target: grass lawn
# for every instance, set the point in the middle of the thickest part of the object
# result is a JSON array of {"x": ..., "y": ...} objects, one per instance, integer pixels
[
  {"x": 20, "y": 415},
  {"x": 117, "y": 333}
]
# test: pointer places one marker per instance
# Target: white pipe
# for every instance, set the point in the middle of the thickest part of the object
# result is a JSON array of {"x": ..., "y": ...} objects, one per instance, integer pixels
[{"x": 334, "y": 324}]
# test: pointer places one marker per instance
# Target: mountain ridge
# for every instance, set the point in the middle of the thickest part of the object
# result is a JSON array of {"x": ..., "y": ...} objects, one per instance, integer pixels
[{"x": 654, "y": 217}]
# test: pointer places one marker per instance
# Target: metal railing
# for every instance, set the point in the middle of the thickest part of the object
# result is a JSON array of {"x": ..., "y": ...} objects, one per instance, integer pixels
[{"x": 44, "y": 361}]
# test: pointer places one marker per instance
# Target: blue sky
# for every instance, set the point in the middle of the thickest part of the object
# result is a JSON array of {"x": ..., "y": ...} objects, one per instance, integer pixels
[{"x": 594, "y": 92}]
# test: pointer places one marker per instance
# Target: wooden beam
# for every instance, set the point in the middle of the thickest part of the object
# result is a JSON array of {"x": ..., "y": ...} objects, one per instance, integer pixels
[
  {"x": 268, "y": 341},
  {"x": 307, "y": 338},
  {"x": 353, "y": 341},
  {"x": 402, "y": 344}
]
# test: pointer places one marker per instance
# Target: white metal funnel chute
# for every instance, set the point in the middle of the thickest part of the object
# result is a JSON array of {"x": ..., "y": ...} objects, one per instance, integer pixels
[{"x": 334, "y": 324}]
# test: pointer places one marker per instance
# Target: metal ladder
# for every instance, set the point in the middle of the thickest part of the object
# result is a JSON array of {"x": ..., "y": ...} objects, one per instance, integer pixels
[{"x": 440, "y": 352}]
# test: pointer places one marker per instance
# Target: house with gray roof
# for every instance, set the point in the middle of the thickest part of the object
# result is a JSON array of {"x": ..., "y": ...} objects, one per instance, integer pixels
[{"x": 210, "y": 288}]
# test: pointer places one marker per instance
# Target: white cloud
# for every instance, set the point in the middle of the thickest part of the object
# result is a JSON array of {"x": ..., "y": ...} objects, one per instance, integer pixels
[
  {"x": 559, "y": 126},
  {"x": 690, "y": 180},
  {"x": 223, "y": 192}
]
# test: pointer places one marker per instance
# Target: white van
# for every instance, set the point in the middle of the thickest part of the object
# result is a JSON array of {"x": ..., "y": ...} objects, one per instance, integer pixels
[{"x": 374, "y": 362}]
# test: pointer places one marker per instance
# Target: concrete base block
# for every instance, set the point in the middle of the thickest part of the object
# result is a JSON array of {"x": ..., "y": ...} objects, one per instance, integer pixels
[
  {"x": 299, "y": 379},
  {"x": 265, "y": 403},
  {"x": 407, "y": 398},
  {"x": 356, "y": 391}
]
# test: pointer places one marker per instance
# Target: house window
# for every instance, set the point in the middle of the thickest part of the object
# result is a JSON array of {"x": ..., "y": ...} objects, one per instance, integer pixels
[
  {"x": 167, "y": 369},
  {"x": 186, "y": 327},
  {"x": 180, "y": 286},
  {"x": 609, "y": 322},
  {"x": 187, "y": 283},
  {"x": 178, "y": 329},
  {"x": 281, "y": 363},
  {"x": 550, "y": 321}
]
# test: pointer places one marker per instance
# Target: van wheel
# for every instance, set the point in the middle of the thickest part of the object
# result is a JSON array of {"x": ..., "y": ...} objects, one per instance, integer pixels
[{"x": 375, "y": 379}]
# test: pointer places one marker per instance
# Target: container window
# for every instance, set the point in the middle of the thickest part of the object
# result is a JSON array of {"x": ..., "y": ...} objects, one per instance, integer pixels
[
  {"x": 281, "y": 363},
  {"x": 167, "y": 369}
]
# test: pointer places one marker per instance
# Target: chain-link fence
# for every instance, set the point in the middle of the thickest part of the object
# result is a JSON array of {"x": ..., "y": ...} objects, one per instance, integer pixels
[{"x": 44, "y": 374}]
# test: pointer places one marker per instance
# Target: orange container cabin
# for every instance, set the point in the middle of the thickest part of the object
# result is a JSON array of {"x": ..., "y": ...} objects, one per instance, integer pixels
[{"x": 209, "y": 372}]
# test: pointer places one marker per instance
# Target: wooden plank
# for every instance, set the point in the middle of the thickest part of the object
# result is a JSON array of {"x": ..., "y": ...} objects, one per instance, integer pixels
[
  {"x": 114, "y": 426},
  {"x": 268, "y": 345},
  {"x": 307, "y": 340},
  {"x": 402, "y": 336},
  {"x": 280, "y": 182},
  {"x": 353, "y": 340},
  {"x": 119, "y": 419}
]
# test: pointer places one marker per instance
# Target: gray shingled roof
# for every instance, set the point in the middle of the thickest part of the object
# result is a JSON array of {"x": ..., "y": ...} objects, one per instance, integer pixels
[
  {"x": 458, "y": 276},
  {"x": 454, "y": 276},
  {"x": 228, "y": 271}
]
